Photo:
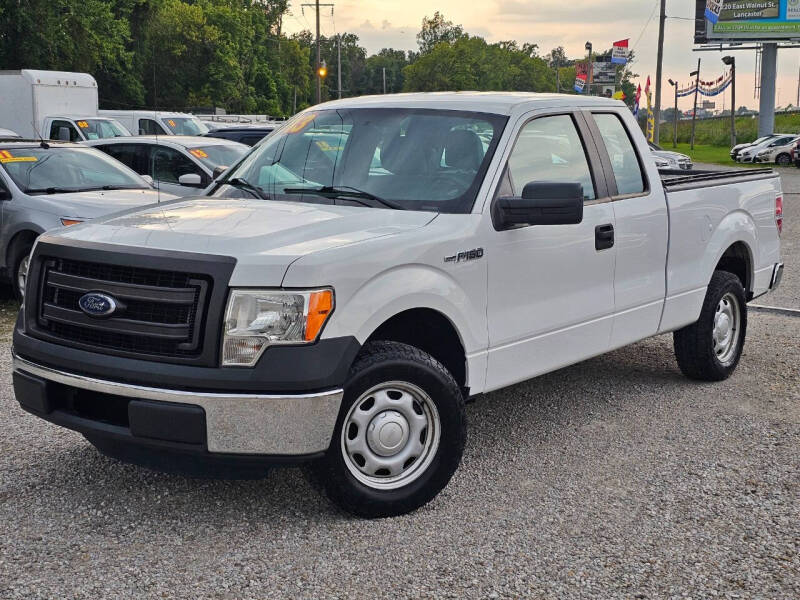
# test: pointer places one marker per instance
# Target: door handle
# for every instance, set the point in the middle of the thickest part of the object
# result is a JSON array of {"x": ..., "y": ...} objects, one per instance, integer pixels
[{"x": 604, "y": 237}]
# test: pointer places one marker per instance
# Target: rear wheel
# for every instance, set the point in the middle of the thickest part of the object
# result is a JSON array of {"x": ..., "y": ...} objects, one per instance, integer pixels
[
  {"x": 710, "y": 349},
  {"x": 400, "y": 433},
  {"x": 783, "y": 159}
]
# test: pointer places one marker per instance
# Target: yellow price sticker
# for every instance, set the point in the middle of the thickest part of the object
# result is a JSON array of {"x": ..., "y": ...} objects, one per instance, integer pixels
[
  {"x": 16, "y": 159},
  {"x": 198, "y": 153},
  {"x": 302, "y": 123},
  {"x": 83, "y": 125},
  {"x": 171, "y": 123}
]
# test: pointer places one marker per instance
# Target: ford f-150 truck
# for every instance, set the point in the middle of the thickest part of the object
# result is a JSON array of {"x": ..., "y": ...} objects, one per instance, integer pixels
[{"x": 341, "y": 292}]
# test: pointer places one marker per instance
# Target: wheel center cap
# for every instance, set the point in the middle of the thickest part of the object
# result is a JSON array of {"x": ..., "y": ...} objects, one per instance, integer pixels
[
  {"x": 722, "y": 327},
  {"x": 387, "y": 433}
]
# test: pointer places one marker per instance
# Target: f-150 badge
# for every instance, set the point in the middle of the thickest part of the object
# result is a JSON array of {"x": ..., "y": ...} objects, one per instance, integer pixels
[{"x": 464, "y": 256}]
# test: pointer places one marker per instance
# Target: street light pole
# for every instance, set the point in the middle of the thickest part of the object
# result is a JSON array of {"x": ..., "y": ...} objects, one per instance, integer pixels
[
  {"x": 589, "y": 68},
  {"x": 696, "y": 90},
  {"x": 731, "y": 62},
  {"x": 675, "y": 116}
]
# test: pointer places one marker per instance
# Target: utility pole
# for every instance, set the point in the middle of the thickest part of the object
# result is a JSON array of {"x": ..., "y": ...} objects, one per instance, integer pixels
[
  {"x": 339, "y": 63},
  {"x": 696, "y": 90},
  {"x": 659, "y": 61},
  {"x": 319, "y": 67},
  {"x": 590, "y": 69},
  {"x": 384, "y": 80},
  {"x": 731, "y": 62},
  {"x": 675, "y": 116}
]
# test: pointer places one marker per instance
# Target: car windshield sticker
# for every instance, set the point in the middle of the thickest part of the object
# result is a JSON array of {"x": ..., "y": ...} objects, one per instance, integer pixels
[
  {"x": 7, "y": 157},
  {"x": 198, "y": 153}
]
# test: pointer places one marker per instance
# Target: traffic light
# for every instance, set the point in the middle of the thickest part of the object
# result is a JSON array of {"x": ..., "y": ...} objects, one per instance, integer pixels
[{"x": 322, "y": 71}]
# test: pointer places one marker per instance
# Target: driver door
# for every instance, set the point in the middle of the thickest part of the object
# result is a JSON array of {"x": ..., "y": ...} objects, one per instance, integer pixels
[{"x": 551, "y": 287}]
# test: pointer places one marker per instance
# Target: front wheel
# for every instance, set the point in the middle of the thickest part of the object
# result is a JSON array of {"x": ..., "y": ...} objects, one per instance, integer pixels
[
  {"x": 710, "y": 349},
  {"x": 399, "y": 436},
  {"x": 20, "y": 264}
]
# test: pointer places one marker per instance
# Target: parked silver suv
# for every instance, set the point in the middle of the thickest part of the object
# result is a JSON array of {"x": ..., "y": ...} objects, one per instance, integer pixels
[{"x": 44, "y": 185}]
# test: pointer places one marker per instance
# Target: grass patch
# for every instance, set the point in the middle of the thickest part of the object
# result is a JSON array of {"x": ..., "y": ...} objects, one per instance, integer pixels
[{"x": 719, "y": 155}]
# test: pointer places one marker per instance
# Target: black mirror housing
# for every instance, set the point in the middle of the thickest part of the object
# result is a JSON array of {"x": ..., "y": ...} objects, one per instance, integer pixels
[
  {"x": 219, "y": 170},
  {"x": 542, "y": 203}
]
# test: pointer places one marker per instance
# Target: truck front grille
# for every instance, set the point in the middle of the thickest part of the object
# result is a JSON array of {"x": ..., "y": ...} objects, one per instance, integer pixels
[{"x": 159, "y": 312}]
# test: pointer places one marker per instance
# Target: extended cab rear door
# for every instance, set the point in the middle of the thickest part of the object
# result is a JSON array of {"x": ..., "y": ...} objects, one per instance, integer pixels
[{"x": 641, "y": 231}]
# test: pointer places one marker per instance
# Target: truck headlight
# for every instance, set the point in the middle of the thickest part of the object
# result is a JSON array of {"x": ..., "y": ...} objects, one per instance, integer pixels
[{"x": 257, "y": 319}]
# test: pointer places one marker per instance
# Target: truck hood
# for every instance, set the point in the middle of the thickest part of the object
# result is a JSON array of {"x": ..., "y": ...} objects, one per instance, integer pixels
[
  {"x": 91, "y": 205},
  {"x": 264, "y": 236}
]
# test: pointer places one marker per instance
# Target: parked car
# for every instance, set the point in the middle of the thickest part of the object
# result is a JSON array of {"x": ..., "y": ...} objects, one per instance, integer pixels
[
  {"x": 250, "y": 135},
  {"x": 668, "y": 160},
  {"x": 180, "y": 165},
  {"x": 739, "y": 147},
  {"x": 781, "y": 155},
  {"x": 748, "y": 155},
  {"x": 54, "y": 105},
  {"x": 319, "y": 307},
  {"x": 148, "y": 122},
  {"x": 52, "y": 185}
]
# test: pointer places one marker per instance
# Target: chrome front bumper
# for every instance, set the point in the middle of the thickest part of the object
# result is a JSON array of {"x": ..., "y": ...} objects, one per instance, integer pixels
[{"x": 235, "y": 423}]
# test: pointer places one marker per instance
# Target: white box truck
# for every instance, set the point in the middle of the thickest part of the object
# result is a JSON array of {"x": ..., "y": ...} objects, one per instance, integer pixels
[
  {"x": 150, "y": 122},
  {"x": 54, "y": 105}
]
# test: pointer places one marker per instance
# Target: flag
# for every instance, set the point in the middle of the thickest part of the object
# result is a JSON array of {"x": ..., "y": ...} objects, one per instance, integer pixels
[
  {"x": 651, "y": 119},
  {"x": 619, "y": 52},
  {"x": 713, "y": 8},
  {"x": 580, "y": 83},
  {"x": 636, "y": 99}
]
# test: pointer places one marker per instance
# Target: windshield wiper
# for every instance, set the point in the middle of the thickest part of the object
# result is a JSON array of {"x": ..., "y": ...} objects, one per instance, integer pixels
[
  {"x": 52, "y": 190},
  {"x": 243, "y": 184},
  {"x": 345, "y": 191}
]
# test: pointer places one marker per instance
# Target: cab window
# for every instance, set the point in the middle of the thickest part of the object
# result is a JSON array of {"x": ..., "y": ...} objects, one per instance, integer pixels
[
  {"x": 167, "y": 165},
  {"x": 55, "y": 129},
  {"x": 133, "y": 156},
  {"x": 624, "y": 161},
  {"x": 549, "y": 149},
  {"x": 150, "y": 127}
]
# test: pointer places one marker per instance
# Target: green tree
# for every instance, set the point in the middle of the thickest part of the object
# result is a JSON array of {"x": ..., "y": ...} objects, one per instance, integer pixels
[{"x": 435, "y": 30}]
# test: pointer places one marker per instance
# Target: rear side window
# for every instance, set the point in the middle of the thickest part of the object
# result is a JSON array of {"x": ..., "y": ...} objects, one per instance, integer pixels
[
  {"x": 550, "y": 149},
  {"x": 131, "y": 155},
  {"x": 624, "y": 162}
]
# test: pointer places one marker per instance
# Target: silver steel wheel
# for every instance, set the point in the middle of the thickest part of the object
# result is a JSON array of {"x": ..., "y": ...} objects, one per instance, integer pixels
[
  {"x": 727, "y": 326},
  {"x": 22, "y": 274},
  {"x": 390, "y": 435}
]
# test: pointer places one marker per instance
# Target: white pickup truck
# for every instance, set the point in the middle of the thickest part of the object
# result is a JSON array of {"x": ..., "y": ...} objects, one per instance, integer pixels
[{"x": 350, "y": 283}]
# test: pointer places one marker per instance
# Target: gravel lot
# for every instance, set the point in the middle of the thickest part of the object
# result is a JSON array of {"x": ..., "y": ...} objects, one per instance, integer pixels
[{"x": 615, "y": 478}]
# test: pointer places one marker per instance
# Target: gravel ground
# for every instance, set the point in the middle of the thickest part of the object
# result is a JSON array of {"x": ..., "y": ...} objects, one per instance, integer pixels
[{"x": 614, "y": 478}]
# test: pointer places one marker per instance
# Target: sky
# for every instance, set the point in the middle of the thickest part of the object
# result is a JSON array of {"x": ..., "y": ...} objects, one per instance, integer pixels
[{"x": 552, "y": 23}]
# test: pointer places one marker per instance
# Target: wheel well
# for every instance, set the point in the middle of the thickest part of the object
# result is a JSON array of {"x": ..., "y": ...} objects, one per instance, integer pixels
[
  {"x": 736, "y": 260},
  {"x": 20, "y": 238},
  {"x": 431, "y": 332}
]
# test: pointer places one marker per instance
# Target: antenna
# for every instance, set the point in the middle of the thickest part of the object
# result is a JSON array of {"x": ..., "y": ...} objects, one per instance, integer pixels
[
  {"x": 155, "y": 129},
  {"x": 38, "y": 134}
]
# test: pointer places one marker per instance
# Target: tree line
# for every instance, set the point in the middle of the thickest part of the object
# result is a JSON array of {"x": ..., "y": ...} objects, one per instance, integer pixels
[{"x": 234, "y": 54}]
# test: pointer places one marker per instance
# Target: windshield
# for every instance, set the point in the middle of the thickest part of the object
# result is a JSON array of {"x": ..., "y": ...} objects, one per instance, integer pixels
[
  {"x": 219, "y": 154},
  {"x": 95, "y": 129},
  {"x": 185, "y": 125},
  {"x": 53, "y": 170},
  {"x": 415, "y": 159}
]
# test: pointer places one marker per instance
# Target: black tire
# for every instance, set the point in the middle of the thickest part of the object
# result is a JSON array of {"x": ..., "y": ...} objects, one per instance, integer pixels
[
  {"x": 20, "y": 252},
  {"x": 783, "y": 160},
  {"x": 383, "y": 362},
  {"x": 695, "y": 345}
]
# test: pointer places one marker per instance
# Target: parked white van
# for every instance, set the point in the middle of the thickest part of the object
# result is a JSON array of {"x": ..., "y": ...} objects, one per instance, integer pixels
[{"x": 149, "y": 122}]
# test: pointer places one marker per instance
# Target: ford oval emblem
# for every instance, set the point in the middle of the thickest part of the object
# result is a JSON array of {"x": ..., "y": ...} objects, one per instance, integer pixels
[{"x": 96, "y": 304}]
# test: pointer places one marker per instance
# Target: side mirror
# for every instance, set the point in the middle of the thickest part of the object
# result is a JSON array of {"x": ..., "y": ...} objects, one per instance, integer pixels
[
  {"x": 4, "y": 194},
  {"x": 218, "y": 171},
  {"x": 148, "y": 179},
  {"x": 542, "y": 203},
  {"x": 63, "y": 134},
  {"x": 190, "y": 179}
]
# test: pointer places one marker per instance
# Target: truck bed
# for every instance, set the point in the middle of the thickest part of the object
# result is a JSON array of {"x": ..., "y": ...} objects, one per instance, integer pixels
[{"x": 681, "y": 180}]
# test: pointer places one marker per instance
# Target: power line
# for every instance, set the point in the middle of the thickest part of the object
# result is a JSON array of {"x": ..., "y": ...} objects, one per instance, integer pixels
[{"x": 646, "y": 25}]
